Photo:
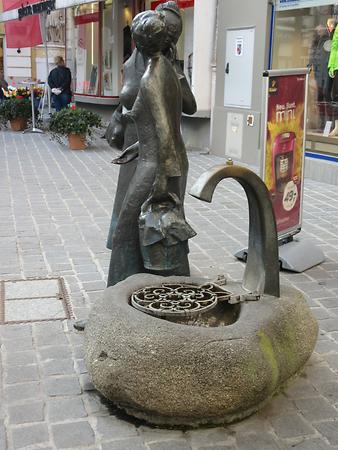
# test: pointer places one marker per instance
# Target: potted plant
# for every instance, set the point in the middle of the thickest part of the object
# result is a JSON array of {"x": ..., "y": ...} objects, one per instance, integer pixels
[
  {"x": 76, "y": 124},
  {"x": 16, "y": 110}
]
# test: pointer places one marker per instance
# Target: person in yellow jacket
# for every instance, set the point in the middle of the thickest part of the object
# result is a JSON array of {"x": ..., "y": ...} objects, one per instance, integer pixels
[{"x": 333, "y": 65}]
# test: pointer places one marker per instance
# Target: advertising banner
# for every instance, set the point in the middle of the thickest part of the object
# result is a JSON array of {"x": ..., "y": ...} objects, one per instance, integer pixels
[
  {"x": 22, "y": 33},
  {"x": 284, "y": 138}
]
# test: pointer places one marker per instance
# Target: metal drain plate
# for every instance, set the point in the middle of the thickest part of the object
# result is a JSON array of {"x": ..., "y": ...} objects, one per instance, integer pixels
[
  {"x": 177, "y": 300},
  {"x": 34, "y": 300}
]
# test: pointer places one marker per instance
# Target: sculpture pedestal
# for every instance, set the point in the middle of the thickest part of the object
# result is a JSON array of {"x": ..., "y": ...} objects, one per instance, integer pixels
[{"x": 191, "y": 374}]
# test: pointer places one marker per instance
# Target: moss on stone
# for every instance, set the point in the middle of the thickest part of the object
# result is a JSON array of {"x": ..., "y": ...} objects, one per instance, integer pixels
[{"x": 269, "y": 354}]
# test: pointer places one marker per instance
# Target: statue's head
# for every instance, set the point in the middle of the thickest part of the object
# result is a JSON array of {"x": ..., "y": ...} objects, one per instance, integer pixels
[
  {"x": 173, "y": 20},
  {"x": 149, "y": 32}
]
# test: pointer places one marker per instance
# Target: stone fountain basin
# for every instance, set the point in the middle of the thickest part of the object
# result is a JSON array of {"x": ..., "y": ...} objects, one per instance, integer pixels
[{"x": 176, "y": 374}]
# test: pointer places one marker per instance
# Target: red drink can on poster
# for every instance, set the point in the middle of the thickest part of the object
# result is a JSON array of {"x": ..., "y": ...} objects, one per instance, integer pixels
[{"x": 284, "y": 135}]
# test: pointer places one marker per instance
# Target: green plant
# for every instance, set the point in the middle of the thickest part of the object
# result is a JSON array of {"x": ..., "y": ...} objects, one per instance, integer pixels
[
  {"x": 73, "y": 121},
  {"x": 13, "y": 108}
]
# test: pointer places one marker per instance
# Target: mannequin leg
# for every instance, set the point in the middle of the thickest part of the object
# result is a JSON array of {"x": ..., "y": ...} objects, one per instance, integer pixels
[{"x": 334, "y": 132}]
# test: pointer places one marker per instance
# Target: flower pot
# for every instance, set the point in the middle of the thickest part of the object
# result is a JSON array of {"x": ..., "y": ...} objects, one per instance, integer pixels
[
  {"x": 77, "y": 141},
  {"x": 18, "y": 124}
]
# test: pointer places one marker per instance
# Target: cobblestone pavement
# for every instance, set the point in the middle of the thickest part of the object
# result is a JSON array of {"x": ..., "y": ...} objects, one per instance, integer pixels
[{"x": 55, "y": 207}]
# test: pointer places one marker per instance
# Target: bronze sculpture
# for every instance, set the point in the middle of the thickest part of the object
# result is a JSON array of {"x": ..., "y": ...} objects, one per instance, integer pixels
[
  {"x": 121, "y": 134},
  {"x": 151, "y": 232}
]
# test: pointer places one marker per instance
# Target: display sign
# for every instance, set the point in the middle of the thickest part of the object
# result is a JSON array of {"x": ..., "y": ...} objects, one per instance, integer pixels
[
  {"x": 297, "y": 4},
  {"x": 284, "y": 139}
]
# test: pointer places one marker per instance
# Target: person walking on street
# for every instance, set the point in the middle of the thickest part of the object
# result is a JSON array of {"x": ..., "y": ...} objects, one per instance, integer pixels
[
  {"x": 3, "y": 86},
  {"x": 59, "y": 81}
]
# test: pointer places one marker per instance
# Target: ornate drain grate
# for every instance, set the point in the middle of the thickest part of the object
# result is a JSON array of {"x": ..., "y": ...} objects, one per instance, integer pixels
[{"x": 177, "y": 300}]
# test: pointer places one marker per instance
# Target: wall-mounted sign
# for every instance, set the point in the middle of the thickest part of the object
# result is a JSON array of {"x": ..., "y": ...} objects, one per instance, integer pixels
[
  {"x": 297, "y": 4},
  {"x": 239, "y": 46},
  {"x": 36, "y": 8}
]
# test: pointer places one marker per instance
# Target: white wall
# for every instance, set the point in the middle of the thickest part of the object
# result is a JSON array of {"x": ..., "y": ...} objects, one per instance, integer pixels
[
  {"x": 204, "y": 33},
  {"x": 17, "y": 65}
]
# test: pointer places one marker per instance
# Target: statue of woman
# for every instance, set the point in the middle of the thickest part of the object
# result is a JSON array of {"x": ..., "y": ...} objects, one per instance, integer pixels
[
  {"x": 158, "y": 185},
  {"x": 122, "y": 134}
]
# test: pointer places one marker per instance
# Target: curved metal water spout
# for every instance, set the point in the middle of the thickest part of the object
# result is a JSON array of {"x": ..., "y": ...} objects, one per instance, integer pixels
[{"x": 262, "y": 268}]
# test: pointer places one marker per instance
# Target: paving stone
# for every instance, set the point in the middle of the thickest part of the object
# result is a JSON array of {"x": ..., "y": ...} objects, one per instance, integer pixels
[
  {"x": 170, "y": 445},
  {"x": 257, "y": 441},
  {"x": 332, "y": 361},
  {"x": 21, "y": 358},
  {"x": 17, "y": 345},
  {"x": 32, "y": 288},
  {"x": 59, "y": 352},
  {"x": 292, "y": 425},
  {"x": 58, "y": 367},
  {"x": 3, "y": 437},
  {"x": 130, "y": 444},
  {"x": 86, "y": 382},
  {"x": 15, "y": 332},
  {"x": 19, "y": 392},
  {"x": 330, "y": 391},
  {"x": 300, "y": 388},
  {"x": 112, "y": 428},
  {"x": 75, "y": 434},
  {"x": 20, "y": 374},
  {"x": 329, "y": 430},
  {"x": 329, "y": 324},
  {"x": 219, "y": 447},
  {"x": 62, "y": 386},
  {"x": 26, "y": 435},
  {"x": 36, "y": 309},
  {"x": 61, "y": 409},
  {"x": 326, "y": 346},
  {"x": 26, "y": 413},
  {"x": 311, "y": 444},
  {"x": 54, "y": 338},
  {"x": 316, "y": 409}
]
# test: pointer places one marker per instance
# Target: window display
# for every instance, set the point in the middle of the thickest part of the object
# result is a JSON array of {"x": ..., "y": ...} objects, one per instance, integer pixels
[
  {"x": 92, "y": 49},
  {"x": 309, "y": 37},
  {"x": 86, "y": 21}
]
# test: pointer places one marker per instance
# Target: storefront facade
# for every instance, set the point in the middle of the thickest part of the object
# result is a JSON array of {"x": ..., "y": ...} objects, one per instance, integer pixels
[{"x": 284, "y": 34}]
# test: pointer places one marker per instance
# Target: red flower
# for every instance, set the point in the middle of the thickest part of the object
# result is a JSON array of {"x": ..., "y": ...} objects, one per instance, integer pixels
[
  {"x": 19, "y": 97},
  {"x": 73, "y": 107}
]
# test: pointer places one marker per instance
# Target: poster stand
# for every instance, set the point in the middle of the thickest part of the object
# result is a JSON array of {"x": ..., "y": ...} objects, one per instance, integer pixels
[{"x": 282, "y": 164}]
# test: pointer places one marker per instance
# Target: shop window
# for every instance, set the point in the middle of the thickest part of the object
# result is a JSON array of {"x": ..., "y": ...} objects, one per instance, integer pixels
[
  {"x": 303, "y": 38},
  {"x": 86, "y": 21},
  {"x": 92, "y": 48}
]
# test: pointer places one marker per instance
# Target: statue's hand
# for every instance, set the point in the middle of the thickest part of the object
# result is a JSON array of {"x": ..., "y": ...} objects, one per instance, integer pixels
[
  {"x": 128, "y": 117},
  {"x": 160, "y": 187}
]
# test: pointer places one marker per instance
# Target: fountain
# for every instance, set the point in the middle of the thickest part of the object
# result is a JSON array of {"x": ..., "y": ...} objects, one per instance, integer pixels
[{"x": 180, "y": 350}]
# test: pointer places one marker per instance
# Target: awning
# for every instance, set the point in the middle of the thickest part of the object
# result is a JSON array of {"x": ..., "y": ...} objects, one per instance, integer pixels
[{"x": 37, "y": 8}]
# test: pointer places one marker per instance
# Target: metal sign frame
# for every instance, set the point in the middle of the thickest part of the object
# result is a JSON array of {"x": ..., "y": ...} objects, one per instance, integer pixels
[{"x": 289, "y": 232}]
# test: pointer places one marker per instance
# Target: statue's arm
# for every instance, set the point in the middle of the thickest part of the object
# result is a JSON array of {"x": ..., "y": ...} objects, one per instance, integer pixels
[
  {"x": 129, "y": 154},
  {"x": 189, "y": 105},
  {"x": 115, "y": 130},
  {"x": 153, "y": 92}
]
